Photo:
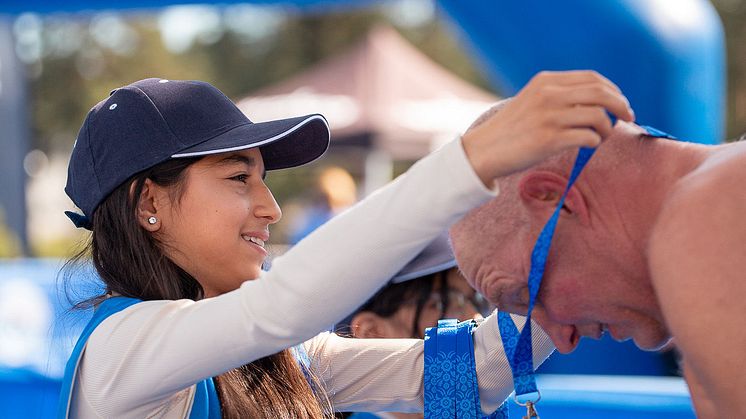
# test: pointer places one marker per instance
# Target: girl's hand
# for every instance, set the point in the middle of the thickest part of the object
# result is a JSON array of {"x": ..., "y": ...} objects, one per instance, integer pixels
[{"x": 555, "y": 111}]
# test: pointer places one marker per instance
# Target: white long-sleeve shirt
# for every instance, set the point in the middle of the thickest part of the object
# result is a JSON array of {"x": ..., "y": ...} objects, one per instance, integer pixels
[{"x": 145, "y": 360}]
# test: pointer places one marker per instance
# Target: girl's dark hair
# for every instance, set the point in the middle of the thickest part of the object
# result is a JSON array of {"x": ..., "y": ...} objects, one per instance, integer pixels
[
  {"x": 390, "y": 299},
  {"x": 131, "y": 263}
]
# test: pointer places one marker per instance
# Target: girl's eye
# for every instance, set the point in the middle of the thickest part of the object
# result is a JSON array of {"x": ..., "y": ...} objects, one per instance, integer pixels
[{"x": 435, "y": 305}]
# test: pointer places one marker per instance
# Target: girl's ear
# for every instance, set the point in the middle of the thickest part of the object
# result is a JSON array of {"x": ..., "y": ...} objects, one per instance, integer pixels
[
  {"x": 541, "y": 191},
  {"x": 367, "y": 324},
  {"x": 147, "y": 206}
]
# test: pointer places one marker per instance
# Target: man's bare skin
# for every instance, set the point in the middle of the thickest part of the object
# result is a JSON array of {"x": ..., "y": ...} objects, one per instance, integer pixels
[{"x": 651, "y": 244}]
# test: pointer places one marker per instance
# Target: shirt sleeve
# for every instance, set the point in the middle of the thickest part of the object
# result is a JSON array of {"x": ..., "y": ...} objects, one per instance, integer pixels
[
  {"x": 377, "y": 375},
  {"x": 148, "y": 352}
]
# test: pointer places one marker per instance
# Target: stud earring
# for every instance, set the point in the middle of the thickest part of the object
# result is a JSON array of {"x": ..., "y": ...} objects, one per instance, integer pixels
[{"x": 152, "y": 220}]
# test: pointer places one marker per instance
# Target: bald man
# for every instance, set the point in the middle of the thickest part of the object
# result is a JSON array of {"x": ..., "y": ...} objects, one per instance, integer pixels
[{"x": 650, "y": 245}]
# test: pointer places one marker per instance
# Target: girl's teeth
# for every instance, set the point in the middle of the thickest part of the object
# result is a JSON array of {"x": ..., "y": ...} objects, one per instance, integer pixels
[
  {"x": 260, "y": 242},
  {"x": 255, "y": 240}
]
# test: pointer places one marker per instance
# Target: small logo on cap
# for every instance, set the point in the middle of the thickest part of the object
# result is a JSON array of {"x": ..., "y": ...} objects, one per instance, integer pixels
[
  {"x": 163, "y": 81},
  {"x": 113, "y": 106}
]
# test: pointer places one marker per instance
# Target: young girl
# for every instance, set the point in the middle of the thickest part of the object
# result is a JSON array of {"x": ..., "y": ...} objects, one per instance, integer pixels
[{"x": 169, "y": 177}]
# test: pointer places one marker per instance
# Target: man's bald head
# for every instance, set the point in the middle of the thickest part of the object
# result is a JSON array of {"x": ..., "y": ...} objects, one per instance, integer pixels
[
  {"x": 594, "y": 251},
  {"x": 486, "y": 230}
]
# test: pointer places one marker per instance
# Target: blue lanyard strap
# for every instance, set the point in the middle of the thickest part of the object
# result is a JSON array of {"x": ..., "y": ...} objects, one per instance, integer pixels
[
  {"x": 518, "y": 347},
  {"x": 450, "y": 379}
]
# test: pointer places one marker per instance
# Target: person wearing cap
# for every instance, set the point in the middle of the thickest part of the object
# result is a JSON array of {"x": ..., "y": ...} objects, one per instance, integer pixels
[
  {"x": 428, "y": 288},
  {"x": 649, "y": 247},
  {"x": 169, "y": 177}
]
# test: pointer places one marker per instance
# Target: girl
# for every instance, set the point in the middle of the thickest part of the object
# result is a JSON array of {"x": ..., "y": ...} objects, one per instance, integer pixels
[
  {"x": 428, "y": 288},
  {"x": 169, "y": 177}
]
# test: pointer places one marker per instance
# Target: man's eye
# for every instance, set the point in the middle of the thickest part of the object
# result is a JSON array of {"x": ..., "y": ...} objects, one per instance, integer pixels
[{"x": 241, "y": 178}]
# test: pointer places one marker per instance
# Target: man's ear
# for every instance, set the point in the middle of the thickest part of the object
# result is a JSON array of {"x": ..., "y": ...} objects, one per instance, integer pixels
[
  {"x": 541, "y": 191},
  {"x": 147, "y": 206},
  {"x": 367, "y": 324}
]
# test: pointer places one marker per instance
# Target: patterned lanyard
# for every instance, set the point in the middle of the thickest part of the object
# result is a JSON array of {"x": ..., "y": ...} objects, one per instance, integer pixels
[
  {"x": 518, "y": 347},
  {"x": 450, "y": 378}
]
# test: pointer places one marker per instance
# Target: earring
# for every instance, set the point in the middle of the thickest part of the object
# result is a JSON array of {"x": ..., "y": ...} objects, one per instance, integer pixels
[{"x": 152, "y": 220}]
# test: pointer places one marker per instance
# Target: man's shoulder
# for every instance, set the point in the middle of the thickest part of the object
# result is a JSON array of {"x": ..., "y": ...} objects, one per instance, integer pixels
[
  {"x": 702, "y": 212},
  {"x": 716, "y": 184},
  {"x": 723, "y": 170}
]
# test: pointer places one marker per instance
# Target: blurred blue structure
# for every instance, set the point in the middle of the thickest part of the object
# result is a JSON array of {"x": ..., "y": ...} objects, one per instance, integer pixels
[
  {"x": 37, "y": 333},
  {"x": 608, "y": 357},
  {"x": 594, "y": 397},
  {"x": 667, "y": 56},
  {"x": 13, "y": 135}
]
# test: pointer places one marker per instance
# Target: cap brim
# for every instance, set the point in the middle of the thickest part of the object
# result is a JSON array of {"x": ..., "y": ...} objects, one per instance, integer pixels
[
  {"x": 284, "y": 142},
  {"x": 436, "y": 257}
]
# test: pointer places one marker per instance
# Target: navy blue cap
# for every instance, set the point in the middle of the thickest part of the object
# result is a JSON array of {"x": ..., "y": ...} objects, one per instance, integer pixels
[
  {"x": 153, "y": 120},
  {"x": 437, "y": 256}
]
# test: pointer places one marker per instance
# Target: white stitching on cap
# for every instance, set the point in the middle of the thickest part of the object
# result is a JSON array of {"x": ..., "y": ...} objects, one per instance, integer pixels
[{"x": 261, "y": 143}]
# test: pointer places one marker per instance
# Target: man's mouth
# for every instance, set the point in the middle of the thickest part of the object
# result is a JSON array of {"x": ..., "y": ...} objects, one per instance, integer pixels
[
  {"x": 604, "y": 329},
  {"x": 574, "y": 338}
]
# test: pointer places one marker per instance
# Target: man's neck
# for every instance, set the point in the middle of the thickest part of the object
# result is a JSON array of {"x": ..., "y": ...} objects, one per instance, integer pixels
[
  {"x": 662, "y": 165},
  {"x": 628, "y": 195}
]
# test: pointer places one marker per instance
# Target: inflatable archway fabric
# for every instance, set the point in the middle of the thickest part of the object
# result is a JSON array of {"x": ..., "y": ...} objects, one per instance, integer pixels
[{"x": 667, "y": 56}]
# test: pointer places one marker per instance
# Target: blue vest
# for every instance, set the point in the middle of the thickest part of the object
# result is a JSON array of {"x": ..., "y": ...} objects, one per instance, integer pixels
[{"x": 206, "y": 404}]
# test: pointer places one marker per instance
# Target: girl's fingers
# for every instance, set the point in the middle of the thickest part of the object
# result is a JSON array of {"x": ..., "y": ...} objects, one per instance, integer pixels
[
  {"x": 570, "y": 78},
  {"x": 588, "y": 117},
  {"x": 598, "y": 95},
  {"x": 578, "y": 137}
]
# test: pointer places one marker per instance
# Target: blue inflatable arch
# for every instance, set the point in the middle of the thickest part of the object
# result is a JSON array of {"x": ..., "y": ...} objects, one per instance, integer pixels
[{"x": 667, "y": 56}]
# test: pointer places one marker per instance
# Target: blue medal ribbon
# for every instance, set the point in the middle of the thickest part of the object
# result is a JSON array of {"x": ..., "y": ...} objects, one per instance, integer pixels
[{"x": 518, "y": 346}]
